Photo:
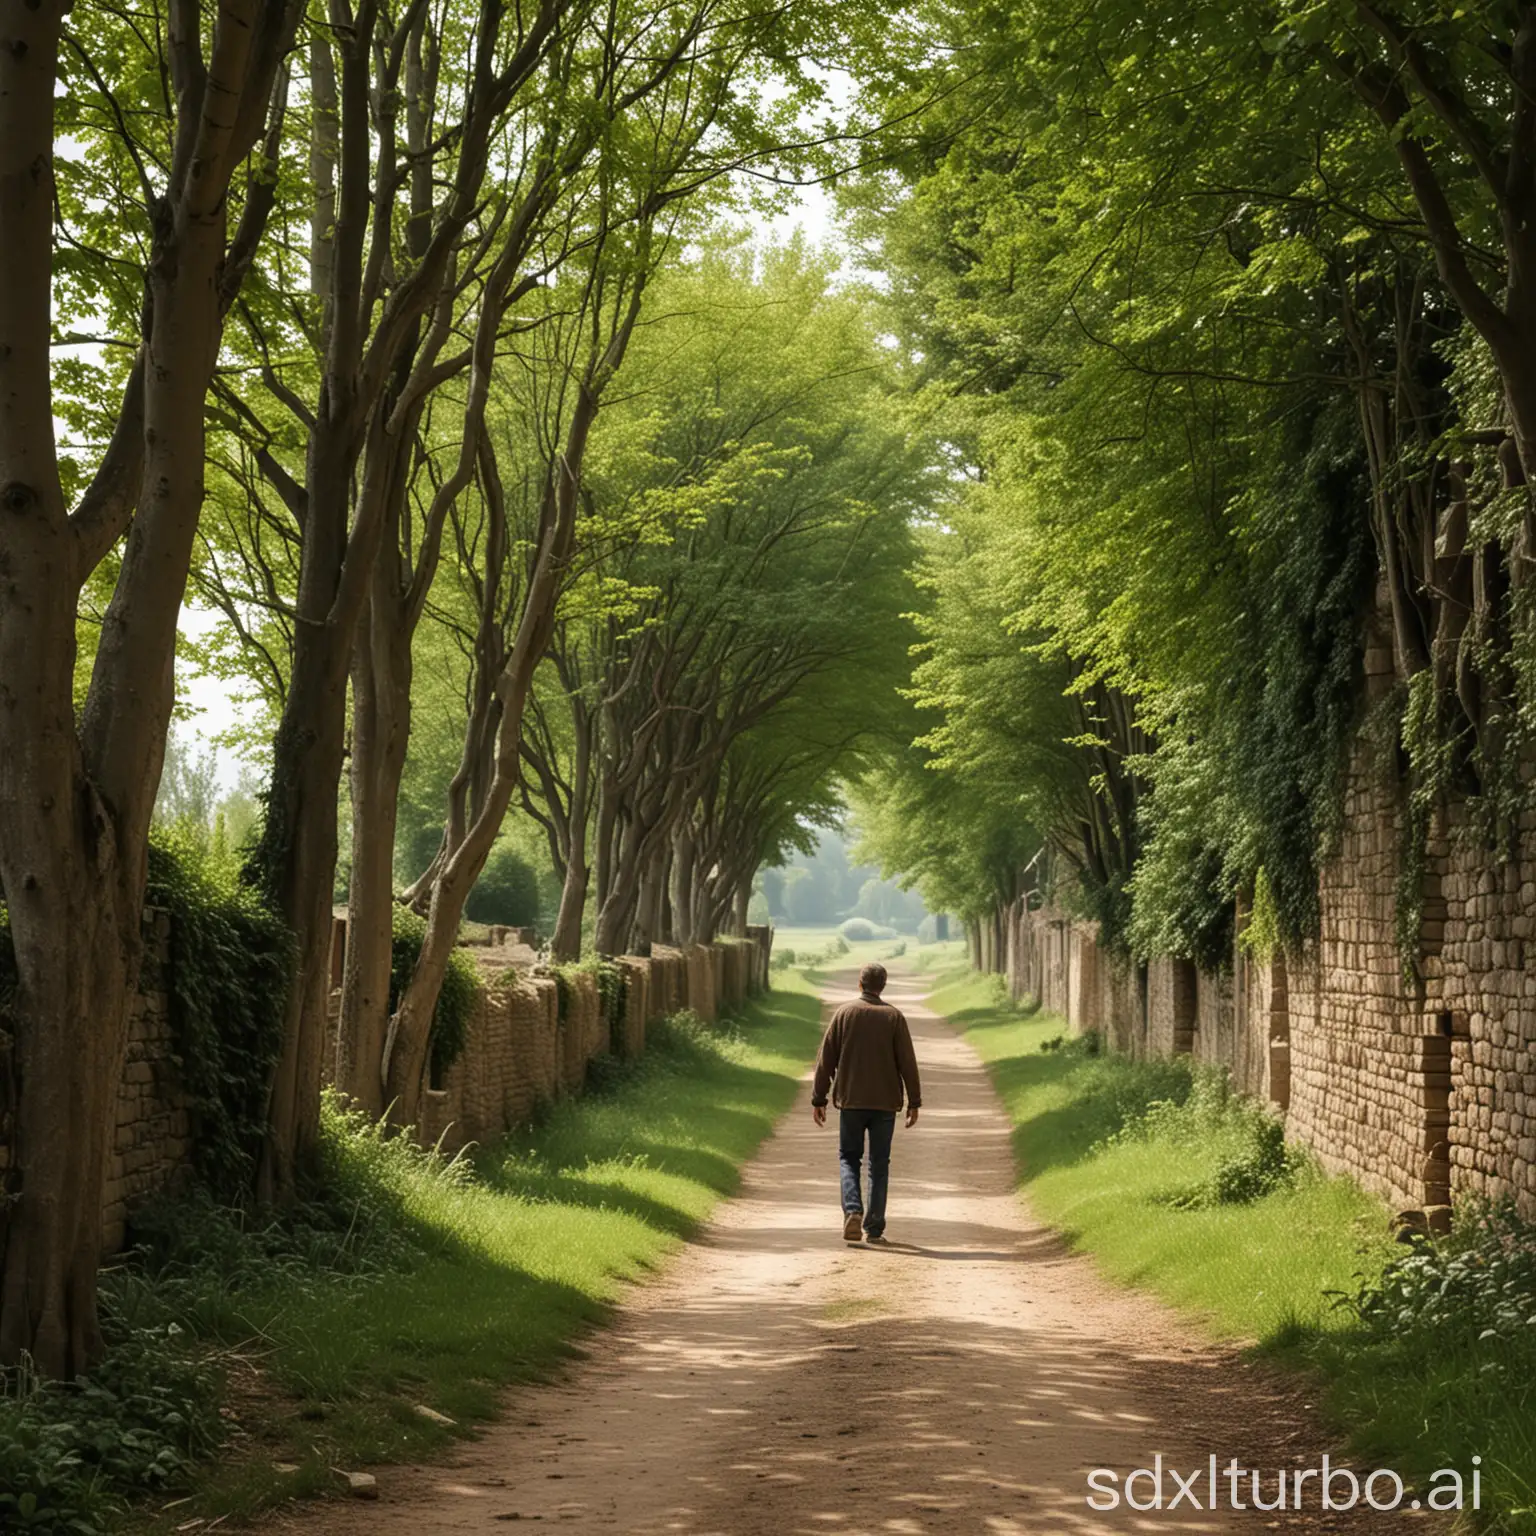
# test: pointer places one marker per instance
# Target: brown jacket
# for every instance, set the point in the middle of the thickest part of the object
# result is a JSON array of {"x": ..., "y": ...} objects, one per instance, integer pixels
[{"x": 868, "y": 1050}]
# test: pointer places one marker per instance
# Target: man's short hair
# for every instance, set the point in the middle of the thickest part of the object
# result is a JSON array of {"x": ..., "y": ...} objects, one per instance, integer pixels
[{"x": 872, "y": 979}]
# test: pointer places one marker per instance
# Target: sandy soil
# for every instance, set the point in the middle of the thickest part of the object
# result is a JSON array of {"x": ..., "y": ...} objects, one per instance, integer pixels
[{"x": 777, "y": 1382}]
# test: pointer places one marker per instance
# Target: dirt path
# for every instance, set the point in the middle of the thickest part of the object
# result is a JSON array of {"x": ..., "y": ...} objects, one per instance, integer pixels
[{"x": 777, "y": 1382}]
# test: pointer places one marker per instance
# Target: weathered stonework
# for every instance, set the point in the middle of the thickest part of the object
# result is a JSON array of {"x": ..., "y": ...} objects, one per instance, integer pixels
[
  {"x": 629, "y": 1037},
  {"x": 1424, "y": 1091},
  {"x": 518, "y": 1051},
  {"x": 152, "y": 1136}
]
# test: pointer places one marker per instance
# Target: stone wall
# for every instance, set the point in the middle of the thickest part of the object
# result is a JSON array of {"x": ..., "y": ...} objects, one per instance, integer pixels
[
  {"x": 517, "y": 1055},
  {"x": 1478, "y": 1041},
  {"x": 524, "y": 1048},
  {"x": 1424, "y": 1089},
  {"x": 521, "y": 1049},
  {"x": 629, "y": 1033},
  {"x": 760, "y": 937},
  {"x": 153, "y": 1126},
  {"x": 152, "y": 1137},
  {"x": 668, "y": 990}
]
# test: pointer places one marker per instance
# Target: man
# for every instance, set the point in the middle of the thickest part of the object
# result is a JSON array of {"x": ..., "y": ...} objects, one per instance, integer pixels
[{"x": 867, "y": 1053}]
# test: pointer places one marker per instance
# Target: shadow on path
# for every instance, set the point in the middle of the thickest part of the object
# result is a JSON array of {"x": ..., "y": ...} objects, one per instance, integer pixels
[{"x": 779, "y": 1382}]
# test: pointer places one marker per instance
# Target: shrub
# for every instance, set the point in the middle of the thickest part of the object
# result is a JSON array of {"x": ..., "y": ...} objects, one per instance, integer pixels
[
  {"x": 1253, "y": 1157},
  {"x": 202, "y": 1274},
  {"x": 1086, "y": 1044},
  {"x": 72, "y": 1453},
  {"x": 1259, "y": 1167},
  {"x": 782, "y": 959},
  {"x": 859, "y": 930},
  {"x": 1477, "y": 1284},
  {"x": 229, "y": 961},
  {"x": 506, "y": 892},
  {"x": 1444, "y": 1348}
]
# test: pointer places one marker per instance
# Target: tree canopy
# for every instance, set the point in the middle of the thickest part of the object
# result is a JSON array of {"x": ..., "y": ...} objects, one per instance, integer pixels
[{"x": 1212, "y": 306}]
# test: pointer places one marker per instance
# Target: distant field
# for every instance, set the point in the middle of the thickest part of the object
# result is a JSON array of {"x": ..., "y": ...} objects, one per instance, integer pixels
[{"x": 812, "y": 938}]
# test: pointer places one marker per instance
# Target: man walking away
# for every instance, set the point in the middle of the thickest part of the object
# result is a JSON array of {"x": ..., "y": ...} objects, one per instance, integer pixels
[{"x": 867, "y": 1059}]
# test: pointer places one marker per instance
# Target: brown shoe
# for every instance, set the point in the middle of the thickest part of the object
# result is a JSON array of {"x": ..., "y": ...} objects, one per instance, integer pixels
[
  {"x": 880, "y": 1240},
  {"x": 853, "y": 1227}
]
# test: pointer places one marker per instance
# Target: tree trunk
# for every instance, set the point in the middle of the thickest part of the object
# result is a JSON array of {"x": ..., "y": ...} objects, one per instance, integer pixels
[
  {"x": 296, "y": 859},
  {"x": 59, "y": 859},
  {"x": 381, "y": 725},
  {"x": 565, "y": 944},
  {"x": 743, "y": 902},
  {"x": 613, "y": 925},
  {"x": 294, "y": 863},
  {"x": 566, "y": 941},
  {"x": 74, "y": 908},
  {"x": 683, "y": 879},
  {"x": 409, "y": 1034},
  {"x": 704, "y": 923},
  {"x": 651, "y": 917},
  {"x": 406, "y": 1046},
  {"x": 619, "y": 916},
  {"x": 75, "y": 803},
  {"x": 1519, "y": 376}
]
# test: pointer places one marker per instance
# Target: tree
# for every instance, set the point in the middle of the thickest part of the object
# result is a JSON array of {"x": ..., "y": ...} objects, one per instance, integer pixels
[
  {"x": 182, "y": 108},
  {"x": 1233, "y": 390},
  {"x": 795, "y": 581},
  {"x": 398, "y": 223},
  {"x": 188, "y": 789},
  {"x": 506, "y": 892},
  {"x": 695, "y": 708}
]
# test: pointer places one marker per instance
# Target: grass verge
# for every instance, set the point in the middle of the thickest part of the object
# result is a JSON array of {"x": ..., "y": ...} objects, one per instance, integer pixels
[
  {"x": 416, "y": 1284},
  {"x": 1427, "y": 1357}
]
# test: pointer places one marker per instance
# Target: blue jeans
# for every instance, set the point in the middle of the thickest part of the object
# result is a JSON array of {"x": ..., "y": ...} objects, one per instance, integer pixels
[{"x": 852, "y": 1126}]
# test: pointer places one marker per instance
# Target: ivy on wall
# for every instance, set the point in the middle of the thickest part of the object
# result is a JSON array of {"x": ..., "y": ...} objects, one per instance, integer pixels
[
  {"x": 7, "y": 964},
  {"x": 612, "y": 990},
  {"x": 456, "y": 1001},
  {"x": 228, "y": 967}
]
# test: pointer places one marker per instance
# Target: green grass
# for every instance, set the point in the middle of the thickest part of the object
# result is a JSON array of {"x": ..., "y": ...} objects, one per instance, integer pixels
[
  {"x": 939, "y": 958},
  {"x": 809, "y": 942},
  {"x": 1251, "y": 1271},
  {"x": 510, "y": 1262},
  {"x": 956, "y": 988},
  {"x": 1425, "y": 1392}
]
